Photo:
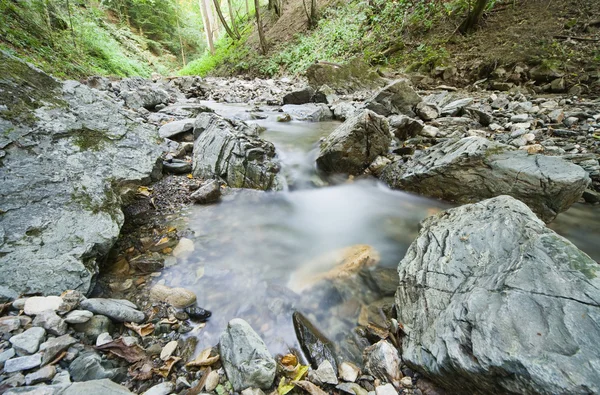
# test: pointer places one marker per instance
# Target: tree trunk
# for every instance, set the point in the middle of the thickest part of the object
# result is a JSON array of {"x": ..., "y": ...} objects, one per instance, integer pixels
[
  {"x": 180, "y": 39},
  {"x": 230, "y": 32},
  {"x": 261, "y": 34},
  {"x": 71, "y": 23},
  {"x": 207, "y": 26},
  {"x": 473, "y": 17},
  {"x": 232, "y": 18},
  {"x": 313, "y": 13},
  {"x": 247, "y": 8}
]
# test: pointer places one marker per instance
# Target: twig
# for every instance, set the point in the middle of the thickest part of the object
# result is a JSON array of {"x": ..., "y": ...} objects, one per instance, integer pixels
[{"x": 560, "y": 37}]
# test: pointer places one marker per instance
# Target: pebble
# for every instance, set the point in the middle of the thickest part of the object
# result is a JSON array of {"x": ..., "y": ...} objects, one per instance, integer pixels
[
  {"x": 50, "y": 321},
  {"x": 23, "y": 363},
  {"x": 212, "y": 381},
  {"x": 348, "y": 371},
  {"x": 406, "y": 382},
  {"x": 78, "y": 316},
  {"x": 177, "y": 297},
  {"x": 117, "y": 309},
  {"x": 19, "y": 304},
  {"x": 326, "y": 373},
  {"x": 386, "y": 389},
  {"x": 519, "y": 118},
  {"x": 6, "y": 355},
  {"x": 352, "y": 388},
  {"x": 160, "y": 389},
  {"x": 429, "y": 131},
  {"x": 184, "y": 248},
  {"x": 168, "y": 350},
  {"x": 52, "y": 347},
  {"x": 198, "y": 313},
  {"x": 95, "y": 326},
  {"x": 37, "y": 304},
  {"x": 42, "y": 375},
  {"x": 9, "y": 324},
  {"x": 103, "y": 338},
  {"x": 29, "y": 341}
]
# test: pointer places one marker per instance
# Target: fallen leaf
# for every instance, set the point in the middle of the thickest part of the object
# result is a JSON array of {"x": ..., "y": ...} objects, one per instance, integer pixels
[
  {"x": 142, "y": 330},
  {"x": 129, "y": 353},
  {"x": 283, "y": 387},
  {"x": 203, "y": 359},
  {"x": 286, "y": 386},
  {"x": 310, "y": 387},
  {"x": 166, "y": 368},
  {"x": 141, "y": 370},
  {"x": 171, "y": 229},
  {"x": 198, "y": 388},
  {"x": 190, "y": 176},
  {"x": 144, "y": 191},
  {"x": 289, "y": 360}
]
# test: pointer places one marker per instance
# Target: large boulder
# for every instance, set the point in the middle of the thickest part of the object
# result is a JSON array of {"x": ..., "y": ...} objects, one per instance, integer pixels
[
  {"x": 344, "y": 79},
  {"x": 231, "y": 152},
  {"x": 67, "y": 155},
  {"x": 355, "y": 144},
  {"x": 494, "y": 302},
  {"x": 398, "y": 97},
  {"x": 474, "y": 169},
  {"x": 301, "y": 96},
  {"x": 312, "y": 112}
]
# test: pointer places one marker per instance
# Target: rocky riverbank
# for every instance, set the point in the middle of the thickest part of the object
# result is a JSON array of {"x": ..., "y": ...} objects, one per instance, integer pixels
[{"x": 81, "y": 159}]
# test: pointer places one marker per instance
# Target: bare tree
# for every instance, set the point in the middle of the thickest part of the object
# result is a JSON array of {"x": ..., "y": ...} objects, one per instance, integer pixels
[
  {"x": 473, "y": 16},
  {"x": 312, "y": 14},
  {"x": 232, "y": 18},
  {"x": 207, "y": 26},
  {"x": 230, "y": 32},
  {"x": 261, "y": 34}
]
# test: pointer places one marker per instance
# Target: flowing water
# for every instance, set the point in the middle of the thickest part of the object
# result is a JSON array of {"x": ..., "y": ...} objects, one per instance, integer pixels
[{"x": 252, "y": 249}]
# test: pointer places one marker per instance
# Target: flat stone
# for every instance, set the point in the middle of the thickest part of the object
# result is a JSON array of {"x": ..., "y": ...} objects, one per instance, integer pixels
[
  {"x": 386, "y": 389},
  {"x": 23, "y": 363},
  {"x": 398, "y": 97},
  {"x": 165, "y": 388},
  {"x": 116, "y": 309},
  {"x": 41, "y": 375},
  {"x": 90, "y": 366},
  {"x": 96, "y": 387},
  {"x": 6, "y": 355},
  {"x": 174, "y": 128},
  {"x": 78, "y": 316},
  {"x": 326, "y": 374},
  {"x": 103, "y": 338},
  {"x": 37, "y": 304},
  {"x": 352, "y": 389},
  {"x": 53, "y": 347},
  {"x": 9, "y": 324},
  {"x": 177, "y": 297},
  {"x": 29, "y": 341},
  {"x": 519, "y": 118},
  {"x": 168, "y": 350},
  {"x": 348, "y": 371},
  {"x": 312, "y": 112},
  {"x": 177, "y": 166},
  {"x": 50, "y": 321},
  {"x": 454, "y": 108},
  {"x": 212, "y": 381}
]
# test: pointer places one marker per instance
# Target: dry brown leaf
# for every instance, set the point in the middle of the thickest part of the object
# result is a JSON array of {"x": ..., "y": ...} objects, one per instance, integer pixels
[
  {"x": 129, "y": 353},
  {"x": 198, "y": 388},
  {"x": 166, "y": 368},
  {"x": 289, "y": 360},
  {"x": 142, "y": 330},
  {"x": 309, "y": 387},
  {"x": 203, "y": 359},
  {"x": 141, "y": 370}
]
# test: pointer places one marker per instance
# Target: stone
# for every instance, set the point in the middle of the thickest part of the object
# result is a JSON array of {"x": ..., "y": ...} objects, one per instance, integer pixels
[
  {"x": 208, "y": 193},
  {"x": 352, "y": 389},
  {"x": 89, "y": 366},
  {"x": 29, "y": 341},
  {"x": 103, "y": 338},
  {"x": 70, "y": 300},
  {"x": 197, "y": 313},
  {"x": 53, "y": 347},
  {"x": 252, "y": 391},
  {"x": 177, "y": 297},
  {"x": 9, "y": 324},
  {"x": 23, "y": 363},
  {"x": 346, "y": 78},
  {"x": 172, "y": 129},
  {"x": 464, "y": 296},
  {"x": 406, "y": 382},
  {"x": 14, "y": 380},
  {"x": 404, "y": 127},
  {"x": 184, "y": 248},
  {"x": 517, "y": 118},
  {"x": 558, "y": 85},
  {"x": 223, "y": 150},
  {"x": 78, "y": 152},
  {"x": 78, "y": 316},
  {"x": 41, "y": 375},
  {"x": 37, "y": 304},
  {"x": 6, "y": 355},
  {"x": 352, "y": 146},
  {"x": 377, "y": 166},
  {"x": 474, "y": 169},
  {"x": 168, "y": 350},
  {"x": 212, "y": 381},
  {"x": 456, "y": 107},
  {"x": 165, "y": 388},
  {"x": 313, "y": 112},
  {"x": 343, "y": 111},
  {"x": 117, "y": 309},
  {"x": 50, "y": 321},
  {"x": 427, "y": 111},
  {"x": 245, "y": 357},
  {"x": 326, "y": 374},
  {"x": 95, "y": 326},
  {"x": 325, "y": 95},
  {"x": 177, "y": 166},
  {"x": 386, "y": 389},
  {"x": 96, "y": 387},
  {"x": 62, "y": 377},
  {"x": 41, "y": 389},
  {"x": 315, "y": 346},
  {"x": 396, "y": 98},
  {"x": 429, "y": 131},
  {"x": 348, "y": 371},
  {"x": 302, "y": 96},
  {"x": 382, "y": 361}
]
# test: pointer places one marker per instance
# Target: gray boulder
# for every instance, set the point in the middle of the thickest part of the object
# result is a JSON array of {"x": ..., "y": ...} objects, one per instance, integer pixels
[
  {"x": 70, "y": 153},
  {"x": 473, "y": 169},
  {"x": 404, "y": 127},
  {"x": 209, "y": 192},
  {"x": 396, "y": 98},
  {"x": 302, "y": 96},
  {"x": 245, "y": 357},
  {"x": 312, "y": 112},
  {"x": 492, "y": 301},
  {"x": 355, "y": 144},
  {"x": 229, "y": 151},
  {"x": 174, "y": 128}
]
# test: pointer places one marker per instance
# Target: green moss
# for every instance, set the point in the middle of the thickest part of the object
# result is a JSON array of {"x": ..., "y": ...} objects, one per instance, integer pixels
[
  {"x": 109, "y": 204},
  {"x": 89, "y": 139}
]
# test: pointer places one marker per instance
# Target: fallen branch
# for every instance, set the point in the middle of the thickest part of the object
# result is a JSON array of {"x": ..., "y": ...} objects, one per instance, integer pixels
[{"x": 560, "y": 37}]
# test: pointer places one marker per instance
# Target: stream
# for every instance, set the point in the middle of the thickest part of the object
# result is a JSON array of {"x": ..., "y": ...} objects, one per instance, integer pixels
[{"x": 254, "y": 249}]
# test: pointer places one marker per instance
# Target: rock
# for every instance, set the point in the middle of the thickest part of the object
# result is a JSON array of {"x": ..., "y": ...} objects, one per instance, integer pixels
[
  {"x": 96, "y": 387},
  {"x": 165, "y": 388},
  {"x": 177, "y": 297},
  {"x": 377, "y": 166},
  {"x": 326, "y": 373},
  {"x": 343, "y": 111},
  {"x": 50, "y": 321},
  {"x": 382, "y": 361},
  {"x": 212, "y": 381},
  {"x": 348, "y": 371},
  {"x": 23, "y": 363},
  {"x": 42, "y": 375},
  {"x": 6, "y": 355},
  {"x": 89, "y": 366},
  {"x": 209, "y": 192},
  {"x": 355, "y": 144},
  {"x": 15, "y": 380},
  {"x": 252, "y": 391},
  {"x": 456, "y": 107},
  {"x": 517, "y": 118},
  {"x": 473, "y": 169},
  {"x": 94, "y": 327},
  {"x": 343, "y": 79},
  {"x": 139, "y": 93},
  {"x": 544, "y": 73},
  {"x": 406, "y": 382},
  {"x": 37, "y": 304},
  {"x": 558, "y": 85},
  {"x": 78, "y": 152},
  {"x": 396, "y": 98},
  {"x": 386, "y": 389},
  {"x": 103, "y": 338},
  {"x": 315, "y": 346},
  {"x": 427, "y": 111},
  {"x": 117, "y": 309},
  {"x": 492, "y": 264},
  {"x": 404, "y": 127},
  {"x": 302, "y": 96},
  {"x": 62, "y": 377},
  {"x": 184, "y": 248},
  {"x": 70, "y": 300},
  {"x": 9, "y": 324},
  {"x": 325, "y": 95},
  {"x": 29, "y": 341},
  {"x": 78, "y": 316},
  {"x": 591, "y": 196},
  {"x": 481, "y": 116},
  {"x": 308, "y": 112},
  {"x": 172, "y": 129},
  {"x": 285, "y": 117},
  {"x": 53, "y": 347},
  {"x": 245, "y": 357},
  {"x": 198, "y": 314},
  {"x": 168, "y": 350},
  {"x": 352, "y": 389},
  {"x": 177, "y": 166},
  {"x": 429, "y": 131},
  {"x": 242, "y": 161}
]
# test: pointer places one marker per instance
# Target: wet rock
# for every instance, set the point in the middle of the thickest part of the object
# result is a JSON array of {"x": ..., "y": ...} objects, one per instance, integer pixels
[
  {"x": 78, "y": 316},
  {"x": 382, "y": 361},
  {"x": 28, "y": 342},
  {"x": 177, "y": 166},
  {"x": 315, "y": 346},
  {"x": 404, "y": 127},
  {"x": 209, "y": 192},
  {"x": 285, "y": 117},
  {"x": 302, "y": 96},
  {"x": 326, "y": 373},
  {"x": 89, "y": 366},
  {"x": 349, "y": 371},
  {"x": 396, "y": 98},
  {"x": 245, "y": 357},
  {"x": 243, "y": 161},
  {"x": 184, "y": 248},
  {"x": 377, "y": 166},
  {"x": 165, "y": 388},
  {"x": 96, "y": 387},
  {"x": 198, "y": 314},
  {"x": 478, "y": 286},
  {"x": 355, "y": 144},
  {"x": 23, "y": 363},
  {"x": 308, "y": 112},
  {"x": 117, "y": 309},
  {"x": 473, "y": 169},
  {"x": 53, "y": 347},
  {"x": 37, "y": 304},
  {"x": 386, "y": 389},
  {"x": 177, "y": 297},
  {"x": 40, "y": 376},
  {"x": 50, "y": 321},
  {"x": 427, "y": 111},
  {"x": 94, "y": 327},
  {"x": 172, "y": 129}
]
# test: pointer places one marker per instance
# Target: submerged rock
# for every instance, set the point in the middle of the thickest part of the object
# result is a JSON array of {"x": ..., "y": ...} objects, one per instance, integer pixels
[
  {"x": 209, "y": 192},
  {"x": 316, "y": 347},
  {"x": 70, "y": 152},
  {"x": 487, "y": 291},
  {"x": 473, "y": 169},
  {"x": 355, "y": 144}
]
